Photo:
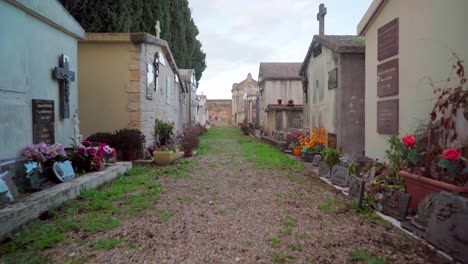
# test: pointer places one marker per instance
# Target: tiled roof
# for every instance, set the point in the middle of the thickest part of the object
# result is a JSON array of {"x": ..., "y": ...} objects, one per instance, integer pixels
[{"x": 280, "y": 70}]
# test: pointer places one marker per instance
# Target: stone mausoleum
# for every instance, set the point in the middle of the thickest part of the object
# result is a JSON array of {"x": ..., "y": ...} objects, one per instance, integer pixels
[
  {"x": 409, "y": 43},
  {"x": 127, "y": 80}
]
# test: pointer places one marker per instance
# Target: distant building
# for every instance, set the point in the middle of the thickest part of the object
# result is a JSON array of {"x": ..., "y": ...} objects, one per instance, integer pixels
[
  {"x": 220, "y": 111},
  {"x": 245, "y": 101},
  {"x": 203, "y": 115}
]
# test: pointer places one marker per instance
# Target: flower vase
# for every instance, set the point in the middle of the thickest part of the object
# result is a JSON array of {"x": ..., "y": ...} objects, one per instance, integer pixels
[{"x": 297, "y": 151}]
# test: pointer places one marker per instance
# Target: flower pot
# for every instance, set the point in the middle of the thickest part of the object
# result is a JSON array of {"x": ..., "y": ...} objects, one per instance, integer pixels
[
  {"x": 188, "y": 152},
  {"x": 308, "y": 156},
  {"x": 419, "y": 187},
  {"x": 129, "y": 154},
  {"x": 81, "y": 165},
  {"x": 297, "y": 151},
  {"x": 279, "y": 101},
  {"x": 163, "y": 158}
]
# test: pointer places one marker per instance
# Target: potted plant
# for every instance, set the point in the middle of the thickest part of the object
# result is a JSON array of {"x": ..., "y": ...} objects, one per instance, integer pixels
[
  {"x": 279, "y": 101},
  {"x": 129, "y": 141},
  {"x": 290, "y": 102},
  {"x": 245, "y": 130},
  {"x": 86, "y": 157},
  {"x": 314, "y": 144},
  {"x": 189, "y": 142},
  {"x": 296, "y": 138},
  {"x": 163, "y": 132},
  {"x": 442, "y": 144},
  {"x": 332, "y": 157},
  {"x": 46, "y": 155}
]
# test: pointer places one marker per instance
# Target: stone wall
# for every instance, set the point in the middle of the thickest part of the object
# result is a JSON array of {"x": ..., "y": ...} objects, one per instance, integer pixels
[
  {"x": 281, "y": 117},
  {"x": 222, "y": 109},
  {"x": 34, "y": 34}
]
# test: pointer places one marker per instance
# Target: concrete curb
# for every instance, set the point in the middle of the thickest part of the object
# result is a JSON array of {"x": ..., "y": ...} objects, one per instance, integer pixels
[{"x": 19, "y": 213}]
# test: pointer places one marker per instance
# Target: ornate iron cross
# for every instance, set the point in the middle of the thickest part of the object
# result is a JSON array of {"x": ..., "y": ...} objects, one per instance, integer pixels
[{"x": 64, "y": 76}]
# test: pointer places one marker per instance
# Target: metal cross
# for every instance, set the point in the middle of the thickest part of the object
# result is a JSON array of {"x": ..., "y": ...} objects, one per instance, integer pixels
[{"x": 65, "y": 76}]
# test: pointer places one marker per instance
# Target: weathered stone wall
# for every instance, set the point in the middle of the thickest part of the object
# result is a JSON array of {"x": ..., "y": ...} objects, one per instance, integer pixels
[
  {"x": 33, "y": 36},
  {"x": 221, "y": 108},
  {"x": 283, "y": 117}
]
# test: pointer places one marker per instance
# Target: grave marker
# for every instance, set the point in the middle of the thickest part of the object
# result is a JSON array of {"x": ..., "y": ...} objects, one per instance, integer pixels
[
  {"x": 387, "y": 117},
  {"x": 396, "y": 205},
  {"x": 43, "y": 112},
  {"x": 316, "y": 160},
  {"x": 387, "y": 81},
  {"x": 323, "y": 169},
  {"x": 356, "y": 190},
  {"x": 340, "y": 176},
  {"x": 447, "y": 228},
  {"x": 387, "y": 40}
]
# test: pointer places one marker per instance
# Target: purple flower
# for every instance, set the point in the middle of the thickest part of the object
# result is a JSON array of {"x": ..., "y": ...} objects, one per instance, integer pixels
[
  {"x": 92, "y": 151},
  {"x": 86, "y": 143},
  {"x": 82, "y": 150}
]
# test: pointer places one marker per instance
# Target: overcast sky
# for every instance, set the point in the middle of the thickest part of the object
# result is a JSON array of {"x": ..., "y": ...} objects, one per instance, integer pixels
[{"x": 239, "y": 34}]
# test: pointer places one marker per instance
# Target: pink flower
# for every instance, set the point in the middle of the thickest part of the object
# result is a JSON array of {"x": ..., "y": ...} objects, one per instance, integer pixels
[
  {"x": 86, "y": 143},
  {"x": 102, "y": 145},
  {"x": 409, "y": 140},
  {"x": 451, "y": 154},
  {"x": 92, "y": 151},
  {"x": 101, "y": 152}
]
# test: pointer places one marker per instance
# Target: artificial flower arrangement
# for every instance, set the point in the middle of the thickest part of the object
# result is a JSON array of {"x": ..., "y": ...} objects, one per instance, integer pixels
[
  {"x": 296, "y": 137},
  {"x": 44, "y": 153},
  {"x": 87, "y": 157},
  {"x": 316, "y": 142}
]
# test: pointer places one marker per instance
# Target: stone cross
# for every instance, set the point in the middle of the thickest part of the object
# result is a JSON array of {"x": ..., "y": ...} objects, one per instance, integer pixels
[
  {"x": 321, "y": 18},
  {"x": 157, "y": 29},
  {"x": 65, "y": 76}
]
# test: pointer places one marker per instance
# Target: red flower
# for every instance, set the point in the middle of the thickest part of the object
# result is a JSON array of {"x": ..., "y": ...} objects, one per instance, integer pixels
[
  {"x": 452, "y": 154},
  {"x": 101, "y": 152},
  {"x": 409, "y": 140}
]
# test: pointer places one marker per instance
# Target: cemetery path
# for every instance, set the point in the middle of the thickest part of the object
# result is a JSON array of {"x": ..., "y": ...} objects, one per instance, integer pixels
[{"x": 241, "y": 201}]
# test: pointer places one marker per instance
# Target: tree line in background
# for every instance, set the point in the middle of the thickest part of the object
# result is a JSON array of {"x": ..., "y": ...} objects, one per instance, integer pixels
[{"x": 176, "y": 22}]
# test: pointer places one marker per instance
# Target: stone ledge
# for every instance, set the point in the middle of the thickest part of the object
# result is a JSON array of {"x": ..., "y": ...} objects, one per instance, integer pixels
[
  {"x": 19, "y": 213},
  {"x": 280, "y": 144}
]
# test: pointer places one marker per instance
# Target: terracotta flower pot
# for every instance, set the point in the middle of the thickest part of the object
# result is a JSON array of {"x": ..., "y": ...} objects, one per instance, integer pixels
[
  {"x": 419, "y": 187},
  {"x": 279, "y": 101},
  {"x": 297, "y": 151},
  {"x": 188, "y": 152},
  {"x": 129, "y": 154}
]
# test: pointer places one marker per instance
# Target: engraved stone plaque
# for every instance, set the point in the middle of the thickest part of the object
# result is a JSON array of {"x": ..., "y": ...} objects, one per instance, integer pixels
[
  {"x": 396, "y": 205},
  {"x": 43, "y": 112},
  {"x": 387, "y": 81},
  {"x": 323, "y": 169},
  {"x": 331, "y": 140},
  {"x": 356, "y": 190},
  {"x": 387, "y": 117},
  {"x": 316, "y": 160},
  {"x": 387, "y": 40},
  {"x": 339, "y": 176}
]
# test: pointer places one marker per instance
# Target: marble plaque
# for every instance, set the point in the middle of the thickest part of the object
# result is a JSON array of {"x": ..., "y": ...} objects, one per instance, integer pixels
[
  {"x": 356, "y": 190},
  {"x": 388, "y": 117},
  {"x": 339, "y": 176},
  {"x": 387, "y": 40},
  {"x": 448, "y": 228},
  {"x": 396, "y": 205},
  {"x": 387, "y": 81},
  {"x": 331, "y": 140},
  {"x": 323, "y": 169},
  {"x": 43, "y": 113}
]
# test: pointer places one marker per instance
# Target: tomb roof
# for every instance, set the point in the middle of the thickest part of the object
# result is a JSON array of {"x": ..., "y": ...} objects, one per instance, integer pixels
[{"x": 280, "y": 70}]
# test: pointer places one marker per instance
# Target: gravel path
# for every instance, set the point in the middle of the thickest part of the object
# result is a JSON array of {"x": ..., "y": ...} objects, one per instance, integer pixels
[{"x": 234, "y": 208}]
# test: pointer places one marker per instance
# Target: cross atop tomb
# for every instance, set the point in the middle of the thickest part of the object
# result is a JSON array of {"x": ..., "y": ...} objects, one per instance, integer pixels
[
  {"x": 65, "y": 76},
  {"x": 157, "y": 29},
  {"x": 321, "y": 18}
]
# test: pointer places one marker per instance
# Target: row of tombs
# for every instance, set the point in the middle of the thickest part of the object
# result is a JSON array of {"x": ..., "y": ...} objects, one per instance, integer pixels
[{"x": 109, "y": 88}]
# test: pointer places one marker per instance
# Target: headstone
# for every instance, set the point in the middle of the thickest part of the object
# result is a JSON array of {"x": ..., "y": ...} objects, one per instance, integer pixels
[
  {"x": 425, "y": 209},
  {"x": 370, "y": 176},
  {"x": 340, "y": 176},
  {"x": 448, "y": 228},
  {"x": 387, "y": 117},
  {"x": 65, "y": 76},
  {"x": 316, "y": 160},
  {"x": 43, "y": 121},
  {"x": 387, "y": 81},
  {"x": 387, "y": 40},
  {"x": 63, "y": 170},
  {"x": 323, "y": 169},
  {"x": 34, "y": 179},
  {"x": 333, "y": 79},
  {"x": 356, "y": 190},
  {"x": 396, "y": 205}
]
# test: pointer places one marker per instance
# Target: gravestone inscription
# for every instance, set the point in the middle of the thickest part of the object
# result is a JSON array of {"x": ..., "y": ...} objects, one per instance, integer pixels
[
  {"x": 387, "y": 117},
  {"x": 331, "y": 140},
  {"x": 396, "y": 205},
  {"x": 316, "y": 160},
  {"x": 323, "y": 169},
  {"x": 340, "y": 175},
  {"x": 43, "y": 113},
  {"x": 356, "y": 190},
  {"x": 447, "y": 228},
  {"x": 387, "y": 81},
  {"x": 387, "y": 40}
]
